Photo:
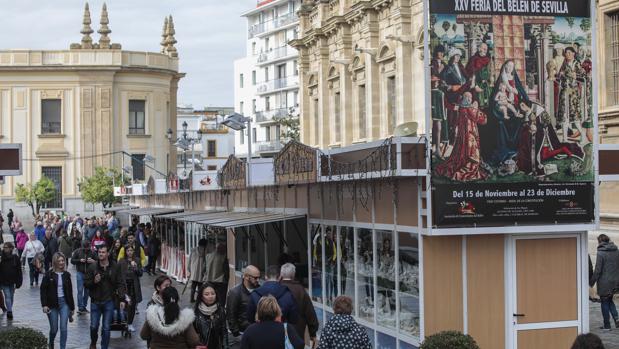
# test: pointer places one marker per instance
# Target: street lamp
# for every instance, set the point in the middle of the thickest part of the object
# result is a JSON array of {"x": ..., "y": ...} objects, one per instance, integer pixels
[
  {"x": 240, "y": 122},
  {"x": 185, "y": 143}
]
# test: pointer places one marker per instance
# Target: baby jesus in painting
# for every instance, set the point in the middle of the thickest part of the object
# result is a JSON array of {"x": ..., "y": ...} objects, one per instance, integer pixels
[{"x": 505, "y": 100}]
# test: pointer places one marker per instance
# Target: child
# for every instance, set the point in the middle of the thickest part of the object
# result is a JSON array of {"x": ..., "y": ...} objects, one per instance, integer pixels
[{"x": 506, "y": 102}]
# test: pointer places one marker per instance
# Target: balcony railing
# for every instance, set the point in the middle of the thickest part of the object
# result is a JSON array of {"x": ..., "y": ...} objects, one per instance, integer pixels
[
  {"x": 50, "y": 128},
  {"x": 276, "y": 53},
  {"x": 275, "y": 23},
  {"x": 276, "y": 84},
  {"x": 269, "y": 146},
  {"x": 269, "y": 115}
]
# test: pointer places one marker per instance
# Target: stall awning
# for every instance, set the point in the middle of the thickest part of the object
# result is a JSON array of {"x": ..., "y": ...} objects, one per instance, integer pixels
[
  {"x": 120, "y": 208},
  {"x": 147, "y": 211},
  {"x": 177, "y": 215},
  {"x": 200, "y": 217},
  {"x": 240, "y": 219}
]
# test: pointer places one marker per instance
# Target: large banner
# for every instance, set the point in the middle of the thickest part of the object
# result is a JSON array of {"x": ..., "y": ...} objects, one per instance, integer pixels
[{"x": 512, "y": 112}]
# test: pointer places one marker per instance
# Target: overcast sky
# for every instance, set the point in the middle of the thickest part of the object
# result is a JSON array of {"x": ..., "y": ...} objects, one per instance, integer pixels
[{"x": 211, "y": 34}]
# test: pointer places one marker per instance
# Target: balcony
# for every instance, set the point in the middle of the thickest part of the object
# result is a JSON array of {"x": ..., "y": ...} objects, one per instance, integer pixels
[
  {"x": 276, "y": 54},
  {"x": 271, "y": 115},
  {"x": 278, "y": 84},
  {"x": 273, "y": 24},
  {"x": 269, "y": 146}
]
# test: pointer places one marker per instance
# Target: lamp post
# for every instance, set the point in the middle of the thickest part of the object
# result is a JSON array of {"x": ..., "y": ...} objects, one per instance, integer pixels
[
  {"x": 238, "y": 122},
  {"x": 185, "y": 143}
]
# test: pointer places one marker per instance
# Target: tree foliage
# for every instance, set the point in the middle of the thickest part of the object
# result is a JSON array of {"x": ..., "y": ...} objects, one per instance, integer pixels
[
  {"x": 99, "y": 188},
  {"x": 291, "y": 126},
  {"x": 37, "y": 195},
  {"x": 449, "y": 339}
]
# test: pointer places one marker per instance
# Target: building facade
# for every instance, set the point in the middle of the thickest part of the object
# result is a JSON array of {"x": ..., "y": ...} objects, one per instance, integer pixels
[
  {"x": 216, "y": 143},
  {"x": 361, "y": 66},
  {"x": 92, "y": 105},
  {"x": 267, "y": 80}
]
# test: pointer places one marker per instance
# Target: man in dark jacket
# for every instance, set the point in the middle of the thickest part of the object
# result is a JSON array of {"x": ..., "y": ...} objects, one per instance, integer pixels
[
  {"x": 104, "y": 281},
  {"x": 154, "y": 249},
  {"x": 51, "y": 246},
  {"x": 10, "y": 276},
  {"x": 285, "y": 299},
  {"x": 307, "y": 315},
  {"x": 91, "y": 228},
  {"x": 82, "y": 258},
  {"x": 606, "y": 275},
  {"x": 236, "y": 304}
]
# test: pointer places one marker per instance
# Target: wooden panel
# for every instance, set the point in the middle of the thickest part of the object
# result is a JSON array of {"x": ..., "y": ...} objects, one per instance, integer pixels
[
  {"x": 609, "y": 162},
  {"x": 315, "y": 204},
  {"x": 413, "y": 156},
  {"x": 383, "y": 212},
  {"x": 329, "y": 202},
  {"x": 546, "y": 280},
  {"x": 486, "y": 290},
  {"x": 554, "y": 338},
  {"x": 442, "y": 258},
  {"x": 407, "y": 202}
]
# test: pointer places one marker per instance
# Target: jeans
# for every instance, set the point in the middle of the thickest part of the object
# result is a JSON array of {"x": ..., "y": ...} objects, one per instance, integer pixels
[
  {"x": 61, "y": 312},
  {"x": 608, "y": 308},
  {"x": 82, "y": 292},
  {"x": 105, "y": 309},
  {"x": 9, "y": 292},
  {"x": 34, "y": 274}
]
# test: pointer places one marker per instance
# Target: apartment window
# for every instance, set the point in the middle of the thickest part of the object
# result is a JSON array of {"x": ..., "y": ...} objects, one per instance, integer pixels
[
  {"x": 291, "y": 6},
  {"x": 55, "y": 174},
  {"x": 392, "y": 112},
  {"x": 253, "y": 48},
  {"x": 278, "y": 132},
  {"x": 51, "y": 116},
  {"x": 241, "y": 80},
  {"x": 267, "y": 103},
  {"x": 316, "y": 122},
  {"x": 266, "y": 44},
  {"x": 266, "y": 74},
  {"x": 295, "y": 68},
  {"x": 612, "y": 58},
  {"x": 241, "y": 136},
  {"x": 241, "y": 105},
  {"x": 253, "y": 77},
  {"x": 253, "y": 106},
  {"x": 211, "y": 148},
  {"x": 336, "y": 115},
  {"x": 137, "y": 162},
  {"x": 267, "y": 133},
  {"x": 211, "y": 167},
  {"x": 253, "y": 135},
  {"x": 281, "y": 71},
  {"x": 136, "y": 117},
  {"x": 296, "y": 98},
  {"x": 362, "y": 112}
]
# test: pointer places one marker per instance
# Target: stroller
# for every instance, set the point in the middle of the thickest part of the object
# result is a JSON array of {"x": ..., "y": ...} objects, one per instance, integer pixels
[{"x": 119, "y": 320}]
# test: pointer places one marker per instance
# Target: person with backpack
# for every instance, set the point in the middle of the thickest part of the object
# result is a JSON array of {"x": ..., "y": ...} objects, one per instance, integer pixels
[
  {"x": 10, "y": 276},
  {"x": 82, "y": 258},
  {"x": 285, "y": 299},
  {"x": 169, "y": 327},
  {"x": 31, "y": 249},
  {"x": 270, "y": 331},
  {"x": 57, "y": 299},
  {"x": 606, "y": 275}
]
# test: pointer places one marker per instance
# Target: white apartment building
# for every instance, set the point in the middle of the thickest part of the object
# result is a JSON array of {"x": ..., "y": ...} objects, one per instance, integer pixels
[
  {"x": 267, "y": 80},
  {"x": 216, "y": 143}
]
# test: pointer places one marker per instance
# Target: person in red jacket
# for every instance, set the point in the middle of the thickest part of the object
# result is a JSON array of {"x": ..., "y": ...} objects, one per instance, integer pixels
[{"x": 97, "y": 241}]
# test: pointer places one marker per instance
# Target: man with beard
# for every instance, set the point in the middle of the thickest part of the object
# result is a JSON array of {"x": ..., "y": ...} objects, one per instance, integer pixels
[
  {"x": 454, "y": 76},
  {"x": 236, "y": 305},
  {"x": 478, "y": 68}
]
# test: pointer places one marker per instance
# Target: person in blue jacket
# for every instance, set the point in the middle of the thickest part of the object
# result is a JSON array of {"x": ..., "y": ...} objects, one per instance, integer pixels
[{"x": 285, "y": 299}]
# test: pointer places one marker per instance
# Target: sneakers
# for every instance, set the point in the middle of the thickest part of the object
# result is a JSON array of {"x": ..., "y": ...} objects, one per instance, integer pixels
[
  {"x": 130, "y": 328},
  {"x": 9, "y": 315},
  {"x": 605, "y": 328}
]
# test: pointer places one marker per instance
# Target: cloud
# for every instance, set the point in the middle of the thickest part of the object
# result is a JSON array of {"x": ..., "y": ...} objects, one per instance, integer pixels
[{"x": 211, "y": 34}]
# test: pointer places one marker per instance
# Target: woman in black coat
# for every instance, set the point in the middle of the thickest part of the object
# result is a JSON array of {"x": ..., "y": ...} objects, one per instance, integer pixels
[
  {"x": 59, "y": 309},
  {"x": 210, "y": 322},
  {"x": 132, "y": 270}
]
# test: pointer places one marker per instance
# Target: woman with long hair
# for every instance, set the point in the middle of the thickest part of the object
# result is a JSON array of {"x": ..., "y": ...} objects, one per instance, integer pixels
[
  {"x": 31, "y": 249},
  {"x": 132, "y": 271},
  {"x": 57, "y": 299},
  {"x": 161, "y": 283},
  {"x": 115, "y": 251},
  {"x": 210, "y": 320},
  {"x": 167, "y": 326},
  {"x": 97, "y": 240}
]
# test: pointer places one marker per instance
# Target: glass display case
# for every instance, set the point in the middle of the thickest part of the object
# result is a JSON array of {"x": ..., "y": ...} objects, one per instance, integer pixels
[
  {"x": 346, "y": 249},
  {"x": 385, "y": 279},
  {"x": 316, "y": 264},
  {"x": 408, "y": 275},
  {"x": 365, "y": 274},
  {"x": 330, "y": 261}
]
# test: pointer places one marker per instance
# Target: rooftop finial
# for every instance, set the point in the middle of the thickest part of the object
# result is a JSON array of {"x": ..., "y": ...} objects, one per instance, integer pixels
[
  {"x": 164, "y": 35},
  {"x": 104, "y": 40},
  {"x": 170, "y": 40},
  {"x": 86, "y": 29}
]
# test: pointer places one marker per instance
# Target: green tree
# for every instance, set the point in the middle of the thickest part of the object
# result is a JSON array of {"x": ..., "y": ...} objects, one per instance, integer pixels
[
  {"x": 99, "y": 188},
  {"x": 291, "y": 126},
  {"x": 37, "y": 195}
]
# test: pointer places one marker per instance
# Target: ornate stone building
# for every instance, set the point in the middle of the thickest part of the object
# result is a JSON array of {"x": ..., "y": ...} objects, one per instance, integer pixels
[
  {"x": 92, "y": 105},
  {"x": 361, "y": 69}
]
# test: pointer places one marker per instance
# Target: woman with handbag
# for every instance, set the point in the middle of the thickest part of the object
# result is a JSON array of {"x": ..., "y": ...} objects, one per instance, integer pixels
[
  {"x": 57, "y": 299},
  {"x": 210, "y": 320},
  {"x": 269, "y": 331}
]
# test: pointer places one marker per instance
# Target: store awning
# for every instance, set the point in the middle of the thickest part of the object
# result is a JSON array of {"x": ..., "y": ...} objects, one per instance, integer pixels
[
  {"x": 120, "y": 208},
  {"x": 200, "y": 217},
  {"x": 177, "y": 215},
  {"x": 148, "y": 211},
  {"x": 240, "y": 219}
]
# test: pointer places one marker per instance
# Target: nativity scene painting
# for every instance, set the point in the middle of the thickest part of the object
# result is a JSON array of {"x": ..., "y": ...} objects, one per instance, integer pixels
[{"x": 511, "y": 99}]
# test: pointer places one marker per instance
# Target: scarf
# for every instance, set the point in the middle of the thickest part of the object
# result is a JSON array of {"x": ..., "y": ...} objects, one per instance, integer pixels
[
  {"x": 157, "y": 298},
  {"x": 207, "y": 310}
]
